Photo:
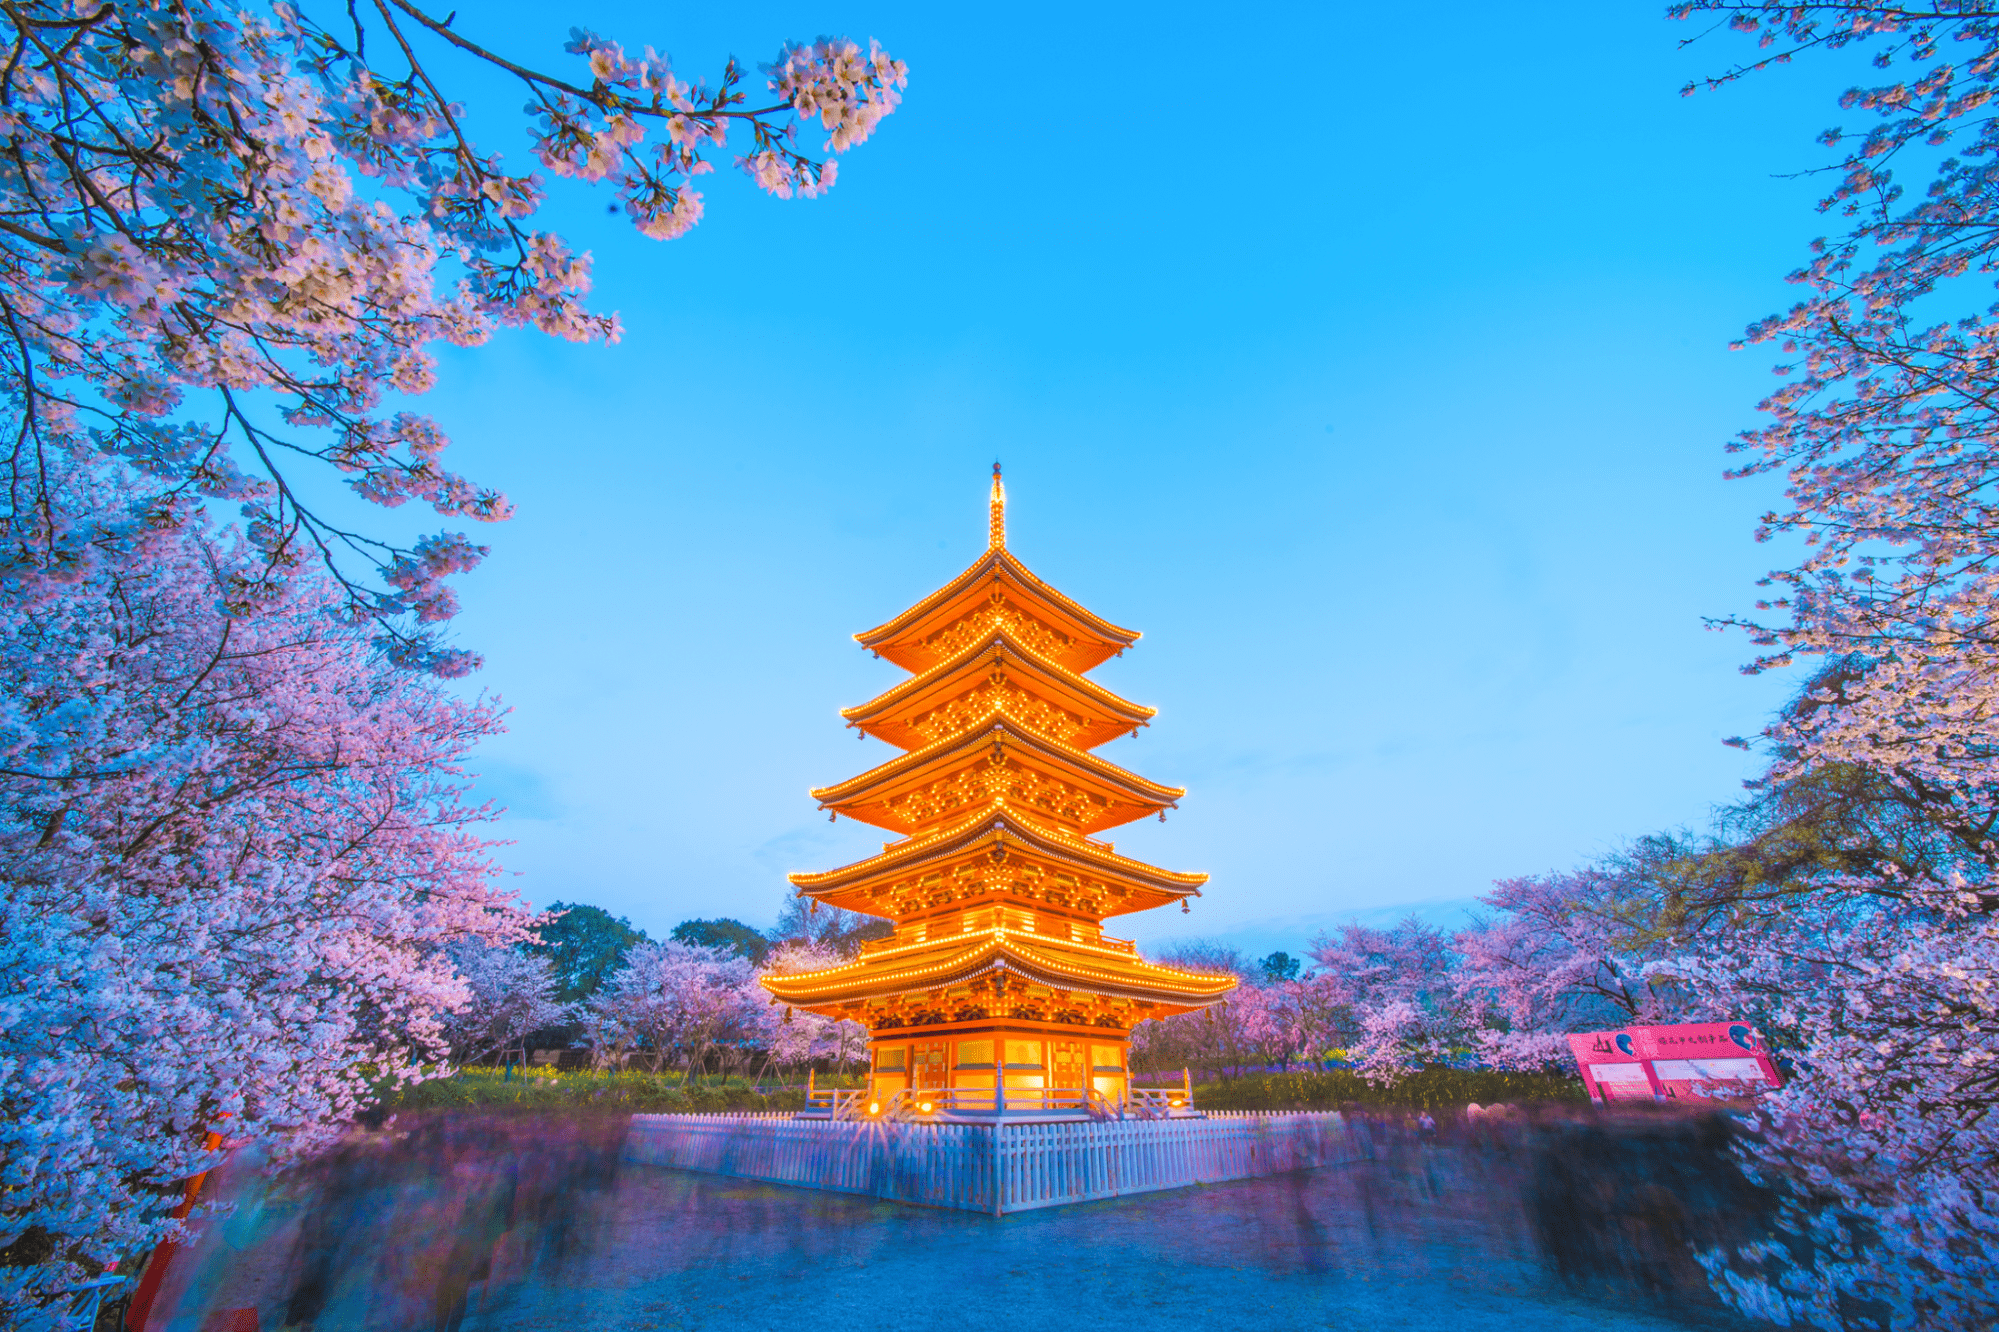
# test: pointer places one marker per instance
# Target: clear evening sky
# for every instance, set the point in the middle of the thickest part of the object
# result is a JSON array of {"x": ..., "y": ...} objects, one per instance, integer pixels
[{"x": 1376, "y": 370}]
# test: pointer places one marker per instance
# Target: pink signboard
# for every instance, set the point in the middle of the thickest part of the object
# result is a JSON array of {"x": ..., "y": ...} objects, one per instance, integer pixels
[{"x": 1681, "y": 1061}]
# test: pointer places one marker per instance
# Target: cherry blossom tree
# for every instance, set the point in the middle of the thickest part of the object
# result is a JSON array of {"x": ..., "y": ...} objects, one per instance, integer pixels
[
  {"x": 1561, "y": 953},
  {"x": 1884, "y": 1139},
  {"x": 1202, "y": 1039},
  {"x": 1392, "y": 993},
  {"x": 511, "y": 994},
  {"x": 237, "y": 858},
  {"x": 671, "y": 998},
  {"x": 1884, "y": 430},
  {"x": 793, "y": 1037},
  {"x": 234, "y": 855},
  {"x": 1883, "y": 424},
  {"x": 232, "y": 234}
]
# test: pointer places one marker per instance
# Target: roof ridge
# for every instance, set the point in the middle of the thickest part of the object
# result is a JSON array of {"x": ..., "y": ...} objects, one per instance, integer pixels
[
  {"x": 916, "y": 758},
  {"x": 998, "y": 825},
  {"x": 999, "y": 635},
  {"x": 997, "y": 558}
]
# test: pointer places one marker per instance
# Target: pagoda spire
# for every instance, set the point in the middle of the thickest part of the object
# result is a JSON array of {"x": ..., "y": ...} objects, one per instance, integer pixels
[{"x": 996, "y": 538}]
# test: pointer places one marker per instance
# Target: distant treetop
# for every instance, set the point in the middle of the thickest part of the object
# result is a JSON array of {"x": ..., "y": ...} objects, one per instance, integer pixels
[
  {"x": 1279, "y": 966},
  {"x": 584, "y": 945},
  {"x": 725, "y": 933}
]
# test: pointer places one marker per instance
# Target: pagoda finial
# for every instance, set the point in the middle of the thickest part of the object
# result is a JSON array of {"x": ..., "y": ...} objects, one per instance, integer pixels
[{"x": 996, "y": 540}]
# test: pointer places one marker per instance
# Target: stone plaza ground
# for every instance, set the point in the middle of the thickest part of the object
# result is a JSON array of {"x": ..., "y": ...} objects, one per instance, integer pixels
[{"x": 494, "y": 1225}]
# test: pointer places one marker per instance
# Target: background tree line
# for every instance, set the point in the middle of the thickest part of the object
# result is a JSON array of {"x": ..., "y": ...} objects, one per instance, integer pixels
[{"x": 594, "y": 984}]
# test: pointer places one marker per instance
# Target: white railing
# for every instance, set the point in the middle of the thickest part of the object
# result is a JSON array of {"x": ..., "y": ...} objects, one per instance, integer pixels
[
  {"x": 1161, "y": 1104},
  {"x": 998, "y": 1167},
  {"x": 832, "y": 1104}
]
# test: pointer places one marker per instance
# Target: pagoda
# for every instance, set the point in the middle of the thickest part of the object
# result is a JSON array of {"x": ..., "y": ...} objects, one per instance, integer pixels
[{"x": 999, "y": 991}]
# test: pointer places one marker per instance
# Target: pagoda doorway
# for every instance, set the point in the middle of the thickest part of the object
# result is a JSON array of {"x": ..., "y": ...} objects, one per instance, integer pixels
[
  {"x": 932, "y": 1069},
  {"x": 1065, "y": 1067}
]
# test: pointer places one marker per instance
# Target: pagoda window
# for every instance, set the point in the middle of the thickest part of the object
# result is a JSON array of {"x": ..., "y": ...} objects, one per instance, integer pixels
[
  {"x": 976, "y": 1054},
  {"x": 1107, "y": 1070},
  {"x": 1023, "y": 1064},
  {"x": 891, "y": 1072},
  {"x": 1023, "y": 1054}
]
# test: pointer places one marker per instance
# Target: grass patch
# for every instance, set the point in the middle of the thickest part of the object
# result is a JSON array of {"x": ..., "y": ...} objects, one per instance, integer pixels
[
  {"x": 1436, "y": 1089},
  {"x": 551, "y": 1090}
]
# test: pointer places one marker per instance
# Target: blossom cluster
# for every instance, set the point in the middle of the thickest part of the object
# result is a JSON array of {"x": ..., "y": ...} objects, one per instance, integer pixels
[
  {"x": 1885, "y": 430},
  {"x": 1552, "y": 954},
  {"x": 235, "y": 858},
  {"x": 237, "y": 232},
  {"x": 681, "y": 1001}
]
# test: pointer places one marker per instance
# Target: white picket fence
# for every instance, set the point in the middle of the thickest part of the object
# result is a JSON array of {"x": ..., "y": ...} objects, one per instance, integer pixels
[{"x": 1005, "y": 1168}]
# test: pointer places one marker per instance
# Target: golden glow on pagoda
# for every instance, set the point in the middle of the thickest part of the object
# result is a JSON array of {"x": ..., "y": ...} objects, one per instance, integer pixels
[{"x": 999, "y": 968}]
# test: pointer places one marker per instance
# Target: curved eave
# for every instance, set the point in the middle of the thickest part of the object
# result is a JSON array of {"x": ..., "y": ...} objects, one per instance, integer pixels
[
  {"x": 1094, "y": 971},
  {"x": 957, "y": 674},
  {"x": 984, "y": 830},
  {"x": 912, "y": 767},
  {"x": 1003, "y": 564}
]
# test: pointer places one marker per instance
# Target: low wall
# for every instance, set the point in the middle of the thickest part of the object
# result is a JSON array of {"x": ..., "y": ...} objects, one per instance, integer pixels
[{"x": 1006, "y": 1168}]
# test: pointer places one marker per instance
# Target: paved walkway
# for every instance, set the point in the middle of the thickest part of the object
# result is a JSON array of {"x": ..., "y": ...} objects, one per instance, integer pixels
[{"x": 509, "y": 1238}]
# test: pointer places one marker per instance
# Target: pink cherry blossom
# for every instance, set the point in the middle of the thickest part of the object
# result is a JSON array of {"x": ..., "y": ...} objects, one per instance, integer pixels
[
  {"x": 511, "y": 994},
  {"x": 234, "y": 231},
  {"x": 237, "y": 856},
  {"x": 796, "y": 1037},
  {"x": 1884, "y": 976},
  {"x": 673, "y": 1000}
]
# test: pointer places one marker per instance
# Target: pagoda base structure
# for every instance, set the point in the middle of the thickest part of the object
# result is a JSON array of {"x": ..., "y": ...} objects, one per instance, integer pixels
[{"x": 999, "y": 1167}]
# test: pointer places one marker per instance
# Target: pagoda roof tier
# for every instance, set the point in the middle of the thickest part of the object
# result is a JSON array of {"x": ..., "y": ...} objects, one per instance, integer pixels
[
  {"x": 998, "y": 589},
  {"x": 935, "y": 965},
  {"x": 962, "y": 691},
  {"x": 1040, "y": 779},
  {"x": 994, "y": 835}
]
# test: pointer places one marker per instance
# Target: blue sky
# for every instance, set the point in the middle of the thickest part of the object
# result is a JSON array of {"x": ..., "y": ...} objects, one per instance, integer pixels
[{"x": 1377, "y": 372}]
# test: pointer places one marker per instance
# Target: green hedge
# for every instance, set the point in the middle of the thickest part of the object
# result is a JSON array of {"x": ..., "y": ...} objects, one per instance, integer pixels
[
  {"x": 1436, "y": 1089},
  {"x": 546, "y": 1089},
  {"x": 543, "y": 1089}
]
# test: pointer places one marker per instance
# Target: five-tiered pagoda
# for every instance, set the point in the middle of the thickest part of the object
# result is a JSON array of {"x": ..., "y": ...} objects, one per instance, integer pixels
[{"x": 998, "y": 883}]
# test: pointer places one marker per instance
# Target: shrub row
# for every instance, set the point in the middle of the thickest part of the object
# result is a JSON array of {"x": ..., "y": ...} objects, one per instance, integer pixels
[
  {"x": 1431, "y": 1089},
  {"x": 541, "y": 1089},
  {"x": 1437, "y": 1089}
]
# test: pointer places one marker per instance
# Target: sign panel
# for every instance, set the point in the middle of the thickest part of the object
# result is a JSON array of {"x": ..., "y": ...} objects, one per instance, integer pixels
[{"x": 1674, "y": 1062}]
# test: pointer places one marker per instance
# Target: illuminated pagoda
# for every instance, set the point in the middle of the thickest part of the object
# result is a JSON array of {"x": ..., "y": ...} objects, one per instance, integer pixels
[{"x": 998, "y": 883}]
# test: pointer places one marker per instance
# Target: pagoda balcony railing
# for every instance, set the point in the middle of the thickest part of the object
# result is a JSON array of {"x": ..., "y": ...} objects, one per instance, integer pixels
[
  {"x": 934, "y": 1104},
  {"x": 931, "y": 1105},
  {"x": 897, "y": 941},
  {"x": 959, "y": 1103}
]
